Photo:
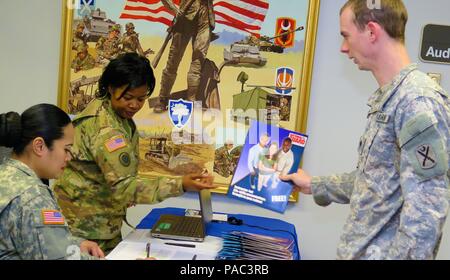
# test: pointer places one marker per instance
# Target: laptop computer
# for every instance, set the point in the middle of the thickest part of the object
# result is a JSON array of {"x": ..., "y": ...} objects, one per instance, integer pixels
[{"x": 184, "y": 227}]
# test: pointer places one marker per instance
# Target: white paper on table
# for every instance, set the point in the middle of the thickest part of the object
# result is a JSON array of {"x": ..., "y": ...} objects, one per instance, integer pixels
[{"x": 134, "y": 247}]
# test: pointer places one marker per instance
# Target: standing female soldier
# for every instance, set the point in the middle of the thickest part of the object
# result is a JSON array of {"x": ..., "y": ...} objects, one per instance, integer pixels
[
  {"x": 102, "y": 181},
  {"x": 31, "y": 224}
]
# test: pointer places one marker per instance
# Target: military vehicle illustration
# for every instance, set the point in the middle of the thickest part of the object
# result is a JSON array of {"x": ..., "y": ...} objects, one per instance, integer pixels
[
  {"x": 265, "y": 43},
  {"x": 248, "y": 51},
  {"x": 165, "y": 152},
  {"x": 81, "y": 92},
  {"x": 241, "y": 53},
  {"x": 97, "y": 25},
  {"x": 259, "y": 104}
]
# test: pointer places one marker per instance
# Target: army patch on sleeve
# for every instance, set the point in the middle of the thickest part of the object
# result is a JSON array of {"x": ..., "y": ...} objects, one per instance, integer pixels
[
  {"x": 124, "y": 159},
  {"x": 52, "y": 217},
  {"x": 115, "y": 143},
  {"x": 426, "y": 156}
]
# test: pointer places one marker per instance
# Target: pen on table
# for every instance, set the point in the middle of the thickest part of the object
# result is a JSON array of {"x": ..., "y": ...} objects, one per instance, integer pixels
[
  {"x": 148, "y": 250},
  {"x": 180, "y": 244}
]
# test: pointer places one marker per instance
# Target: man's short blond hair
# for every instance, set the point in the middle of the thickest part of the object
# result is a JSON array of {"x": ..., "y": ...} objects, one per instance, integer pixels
[{"x": 392, "y": 15}]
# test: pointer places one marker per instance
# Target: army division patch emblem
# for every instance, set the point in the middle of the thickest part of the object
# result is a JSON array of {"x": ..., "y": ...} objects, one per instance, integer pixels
[
  {"x": 426, "y": 157},
  {"x": 180, "y": 112},
  {"x": 124, "y": 159},
  {"x": 285, "y": 30},
  {"x": 284, "y": 80},
  {"x": 85, "y": 7}
]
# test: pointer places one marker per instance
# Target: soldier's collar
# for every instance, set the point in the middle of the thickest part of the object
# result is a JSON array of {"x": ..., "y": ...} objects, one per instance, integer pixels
[
  {"x": 91, "y": 110},
  {"x": 381, "y": 95},
  {"x": 22, "y": 167},
  {"x": 108, "y": 106}
]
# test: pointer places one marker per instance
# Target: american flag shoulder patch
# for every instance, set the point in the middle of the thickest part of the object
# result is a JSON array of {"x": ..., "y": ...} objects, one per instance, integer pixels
[
  {"x": 52, "y": 217},
  {"x": 115, "y": 143}
]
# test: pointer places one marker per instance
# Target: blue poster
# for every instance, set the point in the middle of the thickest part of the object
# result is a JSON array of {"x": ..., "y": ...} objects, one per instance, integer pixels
[{"x": 268, "y": 152}]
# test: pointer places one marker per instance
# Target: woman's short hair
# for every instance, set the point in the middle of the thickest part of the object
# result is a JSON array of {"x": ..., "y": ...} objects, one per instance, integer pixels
[{"x": 128, "y": 69}]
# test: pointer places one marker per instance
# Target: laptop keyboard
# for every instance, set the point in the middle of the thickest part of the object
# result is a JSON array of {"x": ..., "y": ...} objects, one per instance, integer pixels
[{"x": 187, "y": 225}]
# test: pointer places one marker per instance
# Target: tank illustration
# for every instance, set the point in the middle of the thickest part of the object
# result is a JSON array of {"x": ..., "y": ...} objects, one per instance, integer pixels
[
  {"x": 248, "y": 50},
  {"x": 165, "y": 152},
  {"x": 81, "y": 92},
  {"x": 241, "y": 53},
  {"x": 97, "y": 25},
  {"x": 263, "y": 43}
]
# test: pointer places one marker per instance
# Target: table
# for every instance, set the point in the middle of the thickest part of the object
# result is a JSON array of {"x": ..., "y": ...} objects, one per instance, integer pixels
[{"x": 252, "y": 224}]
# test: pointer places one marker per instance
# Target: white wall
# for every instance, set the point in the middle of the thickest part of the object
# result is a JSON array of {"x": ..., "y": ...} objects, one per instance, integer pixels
[
  {"x": 29, "y": 53},
  {"x": 29, "y": 59}
]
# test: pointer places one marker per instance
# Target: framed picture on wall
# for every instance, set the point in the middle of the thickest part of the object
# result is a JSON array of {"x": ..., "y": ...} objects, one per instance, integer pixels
[{"x": 219, "y": 64}]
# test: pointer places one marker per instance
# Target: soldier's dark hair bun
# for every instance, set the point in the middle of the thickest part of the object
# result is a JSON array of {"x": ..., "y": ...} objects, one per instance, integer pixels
[
  {"x": 42, "y": 120},
  {"x": 10, "y": 129}
]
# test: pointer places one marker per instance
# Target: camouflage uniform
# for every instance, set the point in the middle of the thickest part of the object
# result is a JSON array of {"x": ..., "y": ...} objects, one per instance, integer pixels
[
  {"x": 284, "y": 113},
  {"x": 101, "y": 181},
  {"x": 78, "y": 38},
  {"x": 235, "y": 155},
  {"x": 223, "y": 162},
  {"x": 24, "y": 233},
  {"x": 107, "y": 48},
  {"x": 196, "y": 25},
  {"x": 399, "y": 193},
  {"x": 130, "y": 43},
  {"x": 87, "y": 63}
]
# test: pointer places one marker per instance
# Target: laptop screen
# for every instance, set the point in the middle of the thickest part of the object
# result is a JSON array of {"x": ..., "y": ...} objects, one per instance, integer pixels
[{"x": 205, "y": 205}]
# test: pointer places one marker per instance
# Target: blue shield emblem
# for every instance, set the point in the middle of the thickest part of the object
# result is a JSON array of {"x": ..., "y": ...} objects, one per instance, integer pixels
[
  {"x": 285, "y": 80},
  {"x": 180, "y": 112},
  {"x": 86, "y": 7}
]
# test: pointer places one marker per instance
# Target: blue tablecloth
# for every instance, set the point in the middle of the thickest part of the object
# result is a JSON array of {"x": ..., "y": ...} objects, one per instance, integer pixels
[{"x": 253, "y": 224}]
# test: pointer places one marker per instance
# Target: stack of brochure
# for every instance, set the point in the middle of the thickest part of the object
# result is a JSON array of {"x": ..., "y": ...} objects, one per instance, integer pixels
[{"x": 239, "y": 245}]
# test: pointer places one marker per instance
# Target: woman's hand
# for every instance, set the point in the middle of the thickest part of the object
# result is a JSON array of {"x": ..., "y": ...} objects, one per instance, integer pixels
[
  {"x": 92, "y": 249},
  {"x": 301, "y": 180},
  {"x": 196, "y": 182}
]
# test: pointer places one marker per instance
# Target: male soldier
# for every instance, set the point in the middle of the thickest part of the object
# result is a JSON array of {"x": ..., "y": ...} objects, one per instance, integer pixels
[
  {"x": 83, "y": 60},
  {"x": 285, "y": 158},
  {"x": 130, "y": 41},
  {"x": 223, "y": 162},
  {"x": 284, "y": 109},
  {"x": 79, "y": 38},
  {"x": 108, "y": 48},
  {"x": 399, "y": 193},
  {"x": 194, "y": 21}
]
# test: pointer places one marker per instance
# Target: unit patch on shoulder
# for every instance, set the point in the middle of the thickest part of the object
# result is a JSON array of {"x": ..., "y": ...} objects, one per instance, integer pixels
[
  {"x": 52, "y": 217},
  {"x": 115, "y": 143},
  {"x": 124, "y": 159},
  {"x": 426, "y": 156}
]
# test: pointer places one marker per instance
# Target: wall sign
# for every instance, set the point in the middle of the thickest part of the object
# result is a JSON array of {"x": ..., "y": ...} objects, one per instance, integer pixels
[{"x": 436, "y": 44}]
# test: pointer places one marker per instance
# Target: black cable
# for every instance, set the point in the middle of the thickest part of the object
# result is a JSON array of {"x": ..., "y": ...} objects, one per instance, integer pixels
[{"x": 279, "y": 230}]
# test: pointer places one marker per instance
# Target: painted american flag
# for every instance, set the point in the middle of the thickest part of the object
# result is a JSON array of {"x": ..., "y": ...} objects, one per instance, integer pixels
[{"x": 243, "y": 15}]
